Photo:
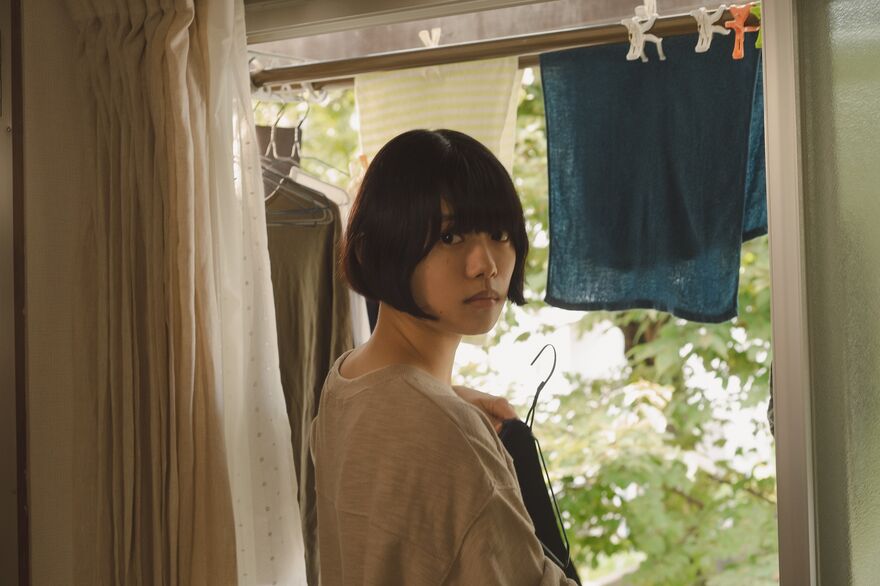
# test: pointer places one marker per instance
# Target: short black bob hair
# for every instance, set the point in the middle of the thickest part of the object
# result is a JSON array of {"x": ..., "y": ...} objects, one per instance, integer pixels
[{"x": 398, "y": 205}]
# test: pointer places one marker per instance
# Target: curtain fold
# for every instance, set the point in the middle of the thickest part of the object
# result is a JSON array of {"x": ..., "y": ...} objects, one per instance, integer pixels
[{"x": 194, "y": 478}]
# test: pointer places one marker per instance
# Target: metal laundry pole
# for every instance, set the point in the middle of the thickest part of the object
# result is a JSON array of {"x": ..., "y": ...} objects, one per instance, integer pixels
[{"x": 340, "y": 72}]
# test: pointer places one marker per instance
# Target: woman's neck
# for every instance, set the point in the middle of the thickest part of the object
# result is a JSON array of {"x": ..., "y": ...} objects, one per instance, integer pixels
[{"x": 400, "y": 338}]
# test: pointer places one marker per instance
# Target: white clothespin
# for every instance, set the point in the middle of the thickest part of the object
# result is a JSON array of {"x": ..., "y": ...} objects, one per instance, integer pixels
[
  {"x": 647, "y": 9},
  {"x": 706, "y": 24},
  {"x": 313, "y": 95},
  {"x": 429, "y": 40},
  {"x": 638, "y": 27}
]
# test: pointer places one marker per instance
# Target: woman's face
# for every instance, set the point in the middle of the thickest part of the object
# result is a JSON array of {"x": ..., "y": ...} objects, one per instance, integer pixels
[{"x": 463, "y": 280}]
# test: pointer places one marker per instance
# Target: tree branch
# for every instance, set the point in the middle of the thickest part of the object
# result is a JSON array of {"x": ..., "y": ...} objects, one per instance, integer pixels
[
  {"x": 694, "y": 501},
  {"x": 749, "y": 490}
]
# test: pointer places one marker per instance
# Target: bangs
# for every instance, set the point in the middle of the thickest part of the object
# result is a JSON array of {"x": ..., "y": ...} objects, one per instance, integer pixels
[
  {"x": 479, "y": 193},
  {"x": 482, "y": 200}
]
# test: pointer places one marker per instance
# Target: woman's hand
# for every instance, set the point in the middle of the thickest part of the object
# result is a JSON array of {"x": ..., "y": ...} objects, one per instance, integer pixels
[{"x": 496, "y": 408}]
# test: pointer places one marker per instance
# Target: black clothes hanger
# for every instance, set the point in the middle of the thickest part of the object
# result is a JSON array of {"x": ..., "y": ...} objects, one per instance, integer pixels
[
  {"x": 534, "y": 482},
  {"x": 530, "y": 416}
]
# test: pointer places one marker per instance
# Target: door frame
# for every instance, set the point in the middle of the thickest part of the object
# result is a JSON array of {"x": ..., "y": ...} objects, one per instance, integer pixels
[
  {"x": 795, "y": 481},
  {"x": 13, "y": 338}
]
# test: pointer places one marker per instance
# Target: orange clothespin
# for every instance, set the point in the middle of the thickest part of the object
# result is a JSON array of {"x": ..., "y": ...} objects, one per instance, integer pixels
[{"x": 738, "y": 24}]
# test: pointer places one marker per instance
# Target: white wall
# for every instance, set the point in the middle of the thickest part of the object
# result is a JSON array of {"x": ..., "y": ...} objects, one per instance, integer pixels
[{"x": 840, "y": 101}]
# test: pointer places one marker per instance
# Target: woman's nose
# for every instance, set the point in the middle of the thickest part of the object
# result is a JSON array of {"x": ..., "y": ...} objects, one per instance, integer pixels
[{"x": 480, "y": 260}]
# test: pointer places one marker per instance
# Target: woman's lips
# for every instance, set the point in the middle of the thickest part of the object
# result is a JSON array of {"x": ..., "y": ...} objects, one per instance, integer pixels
[
  {"x": 483, "y": 299},
  {"x": 482, "y": 302}
]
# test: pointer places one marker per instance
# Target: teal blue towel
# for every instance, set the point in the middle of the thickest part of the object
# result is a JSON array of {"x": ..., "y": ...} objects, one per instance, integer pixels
[
  {"x": 755, "y": 212},
  {"x": 652, "y": 167}
]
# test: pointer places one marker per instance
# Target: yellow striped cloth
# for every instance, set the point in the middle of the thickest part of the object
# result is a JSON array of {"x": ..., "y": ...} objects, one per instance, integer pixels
[{"x": 478, "y": 98}]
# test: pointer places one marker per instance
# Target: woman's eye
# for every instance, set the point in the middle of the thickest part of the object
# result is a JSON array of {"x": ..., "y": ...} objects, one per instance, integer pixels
[
  {"x": 450, "y": 238},
  {"x": 502, "y": 236}
]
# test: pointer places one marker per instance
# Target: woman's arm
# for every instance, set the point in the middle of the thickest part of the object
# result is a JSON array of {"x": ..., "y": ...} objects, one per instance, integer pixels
[{"x": 501, "y": 549}]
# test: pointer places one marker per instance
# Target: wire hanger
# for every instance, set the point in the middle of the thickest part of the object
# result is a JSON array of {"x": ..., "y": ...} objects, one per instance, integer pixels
[
  {"x": 530, "y": 417},
  {"x": 335, "y": 194},
  {"x": 309, "y": 199},
  {"x": 271, "y": 155},
  {"x": 270, "y": 159},
  {"x": 291, "y": 163},
  {"x": 308, "y": 207}
]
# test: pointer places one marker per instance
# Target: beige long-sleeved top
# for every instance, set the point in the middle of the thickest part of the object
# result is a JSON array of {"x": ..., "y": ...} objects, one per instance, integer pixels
[{"x": 415, "y": 488}]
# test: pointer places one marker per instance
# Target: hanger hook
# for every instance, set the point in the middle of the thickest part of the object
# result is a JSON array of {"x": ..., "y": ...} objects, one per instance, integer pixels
[
  {"x": 281, "y": 111},
  {"x": 306, "y": 115},
  {"x": 535, "y": 359},
  {"x": 271, "y": 148},
  {"x": 530, "y": 417}
]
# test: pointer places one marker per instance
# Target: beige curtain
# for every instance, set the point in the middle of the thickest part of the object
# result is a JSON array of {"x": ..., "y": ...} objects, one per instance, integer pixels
[{"x": 191, "y": 464}]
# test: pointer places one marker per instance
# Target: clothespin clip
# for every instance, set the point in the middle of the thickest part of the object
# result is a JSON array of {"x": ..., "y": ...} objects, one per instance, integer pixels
[
  {"x": 638, "y": 27},
  {"x": 738, "y": 24},
  {"x": 706, "y": 26},
  {"x": 646, "y": 9},
  {"x": 313, "y": 95},
  {"x": 756, "y": 12},
  {"x": 431, "y": 39}
]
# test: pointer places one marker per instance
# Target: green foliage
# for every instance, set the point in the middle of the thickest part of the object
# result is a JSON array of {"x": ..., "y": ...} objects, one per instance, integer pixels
[
  {"x": 635, "y": 460},
  {"x": 643, "y": 472}
]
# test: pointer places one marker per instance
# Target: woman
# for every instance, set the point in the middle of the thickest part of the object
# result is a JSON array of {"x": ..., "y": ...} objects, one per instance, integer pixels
[{"x": 413, "y": 485}]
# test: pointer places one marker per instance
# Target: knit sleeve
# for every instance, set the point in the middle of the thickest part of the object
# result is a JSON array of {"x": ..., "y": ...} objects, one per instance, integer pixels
[{"x": 500, "y": 548}]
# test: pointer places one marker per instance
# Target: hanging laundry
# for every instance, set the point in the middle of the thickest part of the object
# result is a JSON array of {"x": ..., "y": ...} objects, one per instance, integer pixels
[
  {"x": 647, "y": 168},
  {"x": 287, "y": 142},
  {"x": 755, "y": 212},
  {"x": 314, "y": 325},
  {"x": 478, "y": 98},
  {"x": 756, "y": 12}
]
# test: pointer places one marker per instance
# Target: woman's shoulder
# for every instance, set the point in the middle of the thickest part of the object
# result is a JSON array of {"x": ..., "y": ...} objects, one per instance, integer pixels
[{"x": 407, "y": 411}]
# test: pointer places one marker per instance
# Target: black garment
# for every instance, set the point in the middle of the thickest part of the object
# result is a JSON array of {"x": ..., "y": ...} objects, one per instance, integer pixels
[{"x": 520, "y": 444}]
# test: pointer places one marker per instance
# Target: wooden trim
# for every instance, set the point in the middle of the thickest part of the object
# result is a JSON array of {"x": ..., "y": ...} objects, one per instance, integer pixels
[
  {"x": 798, "y": 564},
  {"x": 20, "y": 297}
]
